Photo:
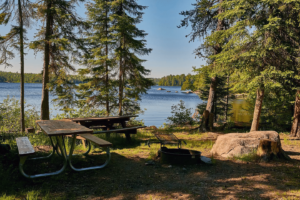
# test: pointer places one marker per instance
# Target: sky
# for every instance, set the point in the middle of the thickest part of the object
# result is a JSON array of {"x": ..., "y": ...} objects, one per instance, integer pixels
[{"x": 172, "y": 53}]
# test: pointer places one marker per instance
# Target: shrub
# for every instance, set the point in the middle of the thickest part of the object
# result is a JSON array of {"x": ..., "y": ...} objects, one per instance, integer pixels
[
  {"x": 181, "y": 115},
  {"x": 10, "y": 115}
]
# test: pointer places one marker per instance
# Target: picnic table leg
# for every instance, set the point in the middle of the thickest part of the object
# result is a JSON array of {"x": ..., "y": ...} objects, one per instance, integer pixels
[
  {"x": 24, "y": 158},
  {"x": 127, "y": 135},
  {"x": 54, "y": 147},
  {"x": 128, "y": 138},
  {"x": 87, "y": 168}
]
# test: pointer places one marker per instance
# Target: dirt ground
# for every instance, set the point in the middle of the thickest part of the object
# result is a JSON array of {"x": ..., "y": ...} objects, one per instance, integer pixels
[{"x": 127, "y": 177}]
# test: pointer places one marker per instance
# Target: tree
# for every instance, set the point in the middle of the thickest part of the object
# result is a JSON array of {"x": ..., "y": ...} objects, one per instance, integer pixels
[
  {"x": 132, "y": 81},
  {"x": 261, "y": 47},
  {"x": 23, "y": 12},
  {"x": 60, "y": 41},
  {"x": 98, "y": 88},
  {"x": 203, "y": 20}
]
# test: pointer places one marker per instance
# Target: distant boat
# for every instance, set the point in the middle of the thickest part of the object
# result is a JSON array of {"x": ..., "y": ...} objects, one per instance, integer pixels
[
  {"x": 176, "y": 91},
  {"x": 160, "y": 89},
  {"x": 168, "y": 91}
]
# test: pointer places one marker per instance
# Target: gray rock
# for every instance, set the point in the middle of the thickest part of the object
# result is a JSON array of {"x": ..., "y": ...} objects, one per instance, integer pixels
[{"x": 237, "y": 144}]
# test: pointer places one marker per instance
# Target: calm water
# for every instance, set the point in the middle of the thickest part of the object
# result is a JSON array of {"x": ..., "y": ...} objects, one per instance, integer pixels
[{"x": 157, "y": 103}]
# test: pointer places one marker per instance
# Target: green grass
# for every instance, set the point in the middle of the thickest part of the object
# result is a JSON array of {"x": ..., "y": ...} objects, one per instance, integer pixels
[{"x": 250, "y": 157}]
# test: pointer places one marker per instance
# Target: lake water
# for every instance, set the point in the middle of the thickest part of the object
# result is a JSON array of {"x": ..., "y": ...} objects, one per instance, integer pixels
[{"x": 157, "y": 102}]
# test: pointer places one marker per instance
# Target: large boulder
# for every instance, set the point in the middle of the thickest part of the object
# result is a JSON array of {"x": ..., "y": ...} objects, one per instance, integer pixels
[{"x": 237, "y": 144}]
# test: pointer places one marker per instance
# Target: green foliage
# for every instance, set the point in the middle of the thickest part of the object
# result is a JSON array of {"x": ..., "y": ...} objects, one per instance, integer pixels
[
  {"x": 12, "y": 77},
  {"x": 176, "y": 80},
  {"x": 10, "y": 115},
  {"x": 180, "y": 115}
]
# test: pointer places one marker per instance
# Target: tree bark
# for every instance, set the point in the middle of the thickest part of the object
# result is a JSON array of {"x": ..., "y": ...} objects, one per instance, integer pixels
[
  {"x": 257, "y": 110},
  {"x": 227, "y": 99},
  {"x": 121, "y": 70},
  {"x": 209, "y": 106},
  {"x": 106, "y": 67},
  {"x": 22, "y": 121},
  {"x": 295, "y": 132},
  {"x": 45, "y": 114}
]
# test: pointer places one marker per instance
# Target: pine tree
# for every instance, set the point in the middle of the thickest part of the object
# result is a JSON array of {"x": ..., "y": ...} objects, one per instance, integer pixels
[
  {"x": 265, "y": 56},
  {"x": 61, "y": 43},
  {"x": 203, "y": 20},
  {"x": 98, "y": 88},
  {"x": 15, "y": 39},
  {"x": 132, "y": 81}
]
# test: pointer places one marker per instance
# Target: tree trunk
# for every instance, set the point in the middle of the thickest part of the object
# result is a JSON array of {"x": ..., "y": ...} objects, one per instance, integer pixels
[
  {"x": 227, "y": 98},
  {"x": 120, "y": 85},
  {"x": 22, "y": 121},
  {"x": 257, "y": 110},
  {"x": 106, "y": 68},
  {"x": 121, "y": 69},
  {"x": 45, "y": 115},
  {"x": 209, "y": 106},
  {"x": 295, "y": 132}
]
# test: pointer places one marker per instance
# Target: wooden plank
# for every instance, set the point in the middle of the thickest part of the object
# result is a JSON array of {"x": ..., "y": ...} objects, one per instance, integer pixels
[
  {"x": 62, "y": 127},
  {"x": 24, "y": 146},
  {"x": 120, "y": 130},
  {"x": 101, "y": 118},
  {"x": 96, "y": 140}
]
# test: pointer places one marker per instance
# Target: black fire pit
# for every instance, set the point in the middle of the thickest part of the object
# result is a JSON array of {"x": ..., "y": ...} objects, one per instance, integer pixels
[{"x": 179, "y": 156}]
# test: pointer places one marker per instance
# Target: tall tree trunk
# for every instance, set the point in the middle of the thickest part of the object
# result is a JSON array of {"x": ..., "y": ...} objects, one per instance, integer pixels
[
  {"x": 121, "y": 68},
  {"x": 227, "y": 98},
  {"x": 22, "y": 121},
  {"x": 121, "y": 84},
  {"x": 209, "y": 106},
  {"x": 295, "y": 132},
  {"x": 257, "y": 110},
  {"x": 45, "y": 115},
  {"x": 210, "y": 103},
  {"x": 106, "y": 67}
]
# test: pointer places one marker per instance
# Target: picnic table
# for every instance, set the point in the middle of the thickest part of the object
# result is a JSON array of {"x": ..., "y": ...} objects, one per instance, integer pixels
[
  {"x": 107, "y": 124},
  {"x": 57, "y": 130}
]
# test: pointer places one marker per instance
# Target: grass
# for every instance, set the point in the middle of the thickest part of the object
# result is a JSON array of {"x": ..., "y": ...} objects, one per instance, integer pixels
[
  {"x": 250, "y": 157},
  {"x": 127, "y": 176}
]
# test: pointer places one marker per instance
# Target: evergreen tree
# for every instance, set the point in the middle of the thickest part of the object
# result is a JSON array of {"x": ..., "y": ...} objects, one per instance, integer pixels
[
  {"x": 132, "y": 81},
  {"x": 15, "y": 39},
  {"x": 60, "y": 42},
  {"x": 266, "y": 56},
  {"x": 99, "y": 86},
  {"x": 203, "y": 21}
]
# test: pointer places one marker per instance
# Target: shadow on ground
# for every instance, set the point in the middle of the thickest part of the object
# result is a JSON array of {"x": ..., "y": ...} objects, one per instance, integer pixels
[{"x": 127, "y": 177}]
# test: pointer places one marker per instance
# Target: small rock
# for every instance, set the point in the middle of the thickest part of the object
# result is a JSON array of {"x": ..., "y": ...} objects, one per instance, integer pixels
[
  {"x": 184, "y": 169},
  {"x": 170, "y": 166}
]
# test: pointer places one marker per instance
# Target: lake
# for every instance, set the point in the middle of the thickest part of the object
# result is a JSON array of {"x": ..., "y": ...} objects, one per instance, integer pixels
[{"x": 157, "y": 103}]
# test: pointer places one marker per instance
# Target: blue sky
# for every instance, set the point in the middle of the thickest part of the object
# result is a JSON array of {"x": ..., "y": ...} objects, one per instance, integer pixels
[{"x": 172, "y": 53}]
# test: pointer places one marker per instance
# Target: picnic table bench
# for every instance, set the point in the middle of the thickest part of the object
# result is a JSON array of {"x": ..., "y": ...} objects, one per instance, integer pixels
[{"x": 56, "y": 130}]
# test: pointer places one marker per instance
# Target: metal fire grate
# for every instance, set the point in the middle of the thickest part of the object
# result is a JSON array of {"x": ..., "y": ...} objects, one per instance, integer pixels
[{"x": 164, "y": 139}]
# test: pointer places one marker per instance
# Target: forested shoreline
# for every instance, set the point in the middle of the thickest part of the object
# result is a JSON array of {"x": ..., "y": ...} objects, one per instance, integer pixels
[{"x": 14, "y": 77}]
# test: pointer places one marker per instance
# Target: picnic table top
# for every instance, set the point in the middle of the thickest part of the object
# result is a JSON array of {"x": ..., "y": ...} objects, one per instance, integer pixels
[
  {"x": 62, "y": 127},
  {"x": 101, "y": 118}
]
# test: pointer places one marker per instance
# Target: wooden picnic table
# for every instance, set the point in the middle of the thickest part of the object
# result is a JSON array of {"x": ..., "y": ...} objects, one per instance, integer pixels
[
  {"x": 107, "y": 124},
  {"x": 57, "y": 130}
]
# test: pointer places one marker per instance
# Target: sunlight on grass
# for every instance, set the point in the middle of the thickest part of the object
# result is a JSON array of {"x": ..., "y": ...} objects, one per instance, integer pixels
[{"x": 250, "y": 157}]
